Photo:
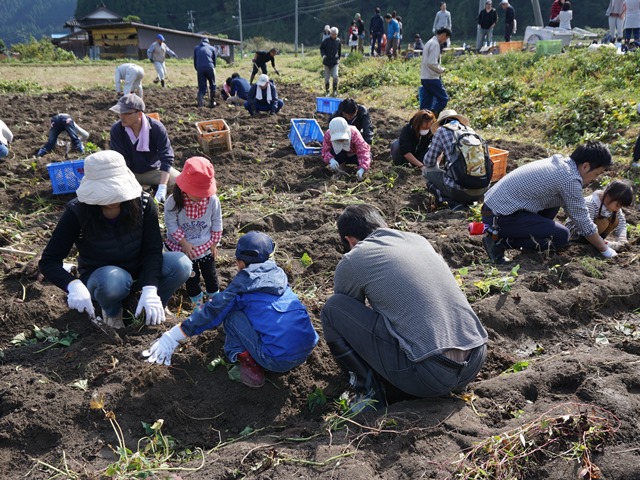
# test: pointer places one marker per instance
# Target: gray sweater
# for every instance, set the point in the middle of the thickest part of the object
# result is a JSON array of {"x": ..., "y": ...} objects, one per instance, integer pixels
[
  {"x": 411, "y": 286},
  {"x": 430, "y": 68},
  {"x": 197, "y": 230}
]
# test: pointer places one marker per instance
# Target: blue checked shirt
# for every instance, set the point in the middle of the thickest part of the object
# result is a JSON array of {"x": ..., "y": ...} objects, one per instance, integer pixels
[
  {"x": 443, "y": 143},
  {"x": 550, "y": 183}
]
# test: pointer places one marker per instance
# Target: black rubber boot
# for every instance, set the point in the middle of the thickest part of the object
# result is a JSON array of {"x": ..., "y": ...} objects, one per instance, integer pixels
[
  {"x": 335, "y": 88},
  {"x": 326, "y": 89},
  {"x": 370, "y": 394},
  {"x": 200, "y": 101},
  {"x": 162, "y": 83}
]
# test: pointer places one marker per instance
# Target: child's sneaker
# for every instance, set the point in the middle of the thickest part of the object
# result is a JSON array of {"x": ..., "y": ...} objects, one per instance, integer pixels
[{"x": 251, "y": 374}]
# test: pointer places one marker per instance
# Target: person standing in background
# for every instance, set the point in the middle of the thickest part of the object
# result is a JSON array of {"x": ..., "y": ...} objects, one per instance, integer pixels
[
  {"x": 615, "y": 12},
  {"x": 487, "y": 19},
  {"x": 361, "y": 32},
  {"x": 376, "y": 30},
  {"x": 509, "y": 19},
  {"x": 434, "y": 96},
  {"x": 157, "y": 53},
  {"x": 204, "y": 61},
  {"x": 331, "y": 49},
  {"x": 442, "y": 20}
]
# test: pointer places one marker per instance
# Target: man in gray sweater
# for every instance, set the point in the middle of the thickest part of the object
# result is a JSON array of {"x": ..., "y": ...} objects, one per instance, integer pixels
[
  {"x": 434, "y": 96},
  {"x": 418, "y": 331}
]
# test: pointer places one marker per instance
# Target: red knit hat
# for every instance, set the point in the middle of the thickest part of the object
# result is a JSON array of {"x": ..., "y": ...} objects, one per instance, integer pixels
[{"x": 197, "y": 178}]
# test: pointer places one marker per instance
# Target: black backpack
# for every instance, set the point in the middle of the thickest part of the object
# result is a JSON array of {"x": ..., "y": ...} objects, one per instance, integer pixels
[{"x": 470, "y": 166}]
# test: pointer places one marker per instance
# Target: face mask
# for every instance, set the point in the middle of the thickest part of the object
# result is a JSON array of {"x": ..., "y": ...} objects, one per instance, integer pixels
[{"x": 424, "y": 132}]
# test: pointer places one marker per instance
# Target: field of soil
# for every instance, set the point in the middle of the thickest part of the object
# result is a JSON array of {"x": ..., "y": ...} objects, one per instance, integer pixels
[{"x": 563, "y": 367}]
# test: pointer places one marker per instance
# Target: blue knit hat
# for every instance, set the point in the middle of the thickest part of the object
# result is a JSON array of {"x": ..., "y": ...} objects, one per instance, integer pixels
[{"x": 254, "y": 247}]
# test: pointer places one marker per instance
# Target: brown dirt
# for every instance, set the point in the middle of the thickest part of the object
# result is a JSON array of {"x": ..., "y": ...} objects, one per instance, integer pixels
[{"x": 558, "y": 306}]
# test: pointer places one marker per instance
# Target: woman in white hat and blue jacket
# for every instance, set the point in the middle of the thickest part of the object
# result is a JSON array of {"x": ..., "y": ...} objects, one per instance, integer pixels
[{"x": 114, "y": 227}]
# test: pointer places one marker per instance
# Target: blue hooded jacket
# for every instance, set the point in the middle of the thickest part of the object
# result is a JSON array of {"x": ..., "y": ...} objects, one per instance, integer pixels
[
  {"x": 204, "y": 56},
  {"x": 262, "y": 293}
]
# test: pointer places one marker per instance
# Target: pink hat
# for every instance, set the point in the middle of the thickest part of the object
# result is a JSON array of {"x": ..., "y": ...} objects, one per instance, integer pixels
[{"x": 197, "y": 178}]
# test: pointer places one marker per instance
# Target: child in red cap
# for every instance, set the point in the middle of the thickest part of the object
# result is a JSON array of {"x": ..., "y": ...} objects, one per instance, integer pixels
[{"x": 194, "y": 225}]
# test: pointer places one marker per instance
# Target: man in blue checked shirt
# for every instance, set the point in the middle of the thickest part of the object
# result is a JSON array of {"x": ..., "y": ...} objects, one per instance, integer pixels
[{"x": 521, "y": 207}]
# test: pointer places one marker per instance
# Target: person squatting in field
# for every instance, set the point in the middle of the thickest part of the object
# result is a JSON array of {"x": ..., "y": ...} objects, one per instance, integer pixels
[
  {"x": 266, "y": 325},
  {"x": 114, "y": 226}
]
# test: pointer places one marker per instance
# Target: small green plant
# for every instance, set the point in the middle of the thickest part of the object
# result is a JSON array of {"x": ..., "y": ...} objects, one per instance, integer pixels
[
  {"x": 90, "y": 148},
  {"x": 517, "y": 367},
  {"x": 495, "y": 280},
  {"x": 591, "y": 267},
  {"x": 45, "y": 334},
  {"x": 316, "y": 399},
  {"x": 153, "y": 452},
  {"x": 305, "y": 260}
]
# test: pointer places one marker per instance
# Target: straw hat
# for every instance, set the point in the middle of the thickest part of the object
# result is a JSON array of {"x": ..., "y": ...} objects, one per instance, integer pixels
[
  {"x": 107, "y": 180},
  {"x": 446, "y": 114}
]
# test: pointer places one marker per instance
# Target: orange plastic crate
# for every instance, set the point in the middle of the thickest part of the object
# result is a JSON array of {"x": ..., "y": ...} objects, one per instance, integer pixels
[
  {"x": 214, "y": 135},
  {"x": 499, "y": 159},
  {"x": 510, "y": 46}
]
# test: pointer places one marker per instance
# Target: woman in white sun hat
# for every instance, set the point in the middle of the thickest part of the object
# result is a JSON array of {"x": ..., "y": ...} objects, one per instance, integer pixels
[{"x": 114, "y": 226}]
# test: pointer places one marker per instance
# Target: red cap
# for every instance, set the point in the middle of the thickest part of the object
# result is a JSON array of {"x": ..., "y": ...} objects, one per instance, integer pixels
[{"x": 197, "y": 178}]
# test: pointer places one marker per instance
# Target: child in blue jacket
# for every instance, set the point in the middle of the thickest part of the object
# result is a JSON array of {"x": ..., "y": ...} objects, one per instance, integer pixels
[{"x": 265, "y": 323}]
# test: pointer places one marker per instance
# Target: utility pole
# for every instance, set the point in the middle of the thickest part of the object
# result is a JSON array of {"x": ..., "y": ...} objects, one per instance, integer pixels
[
  {"x": 296, "y": 30},
  {"x": 240, "y": 25},
  {"x": 191, "y": 25}
]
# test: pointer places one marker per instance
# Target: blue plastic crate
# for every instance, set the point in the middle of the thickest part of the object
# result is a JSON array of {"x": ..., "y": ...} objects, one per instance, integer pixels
[
  {"x": 303, "y": 131},
  {"x": 327, "y": 104},
  {"x": 65, "y": 176}
]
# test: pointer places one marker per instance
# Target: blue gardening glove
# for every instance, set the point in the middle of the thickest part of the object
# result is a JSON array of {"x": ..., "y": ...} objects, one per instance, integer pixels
[
  {"x": 79, "y": 298},
  {"x": 334, "y": 165},
  {"x": 360, "y": 174},
  {"x": 153, "y": 309},
  {"x": 161, "y": 193},
  {"x": 161, "y": 350}
]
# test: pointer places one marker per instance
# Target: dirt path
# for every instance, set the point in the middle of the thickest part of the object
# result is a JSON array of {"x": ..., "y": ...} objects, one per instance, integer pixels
[{"x": 569, "y": 315}]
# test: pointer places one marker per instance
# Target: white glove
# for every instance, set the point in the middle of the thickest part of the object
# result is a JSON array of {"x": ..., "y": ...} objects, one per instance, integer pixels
[
  {"x": 153, "y": 309},
  {"x": 79, "y": 298},
  {"x": 609, "y": 253},
  {"x": 334, "y": 165},
  {"x": 161, "y": 193},
  {"x": 360, "y": 174},
  {"x": 161, "y": 350}
]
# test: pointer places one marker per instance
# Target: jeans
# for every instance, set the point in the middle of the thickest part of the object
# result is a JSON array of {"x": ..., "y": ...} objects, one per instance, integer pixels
[
  {"x": 241, "y": 336},
  {"x": 436, "y": 178},
  {"x": 361, "y": 43},
  {"x": 4, "y": 150},
  {"x": 330, "y": 72},
  {"x": 261, "y": 107},
  {"x": 110, "y": 285},
  {"x": 59, "y": 124},
  {"x": 376, "y": 38},
  {"x": 161, "y": 70},
  {"x": 434, "y": 96},
  {"x": 533, "y": 231},
  {"x": 636, "y": 34},
  {"x": 482, "y": 32},
  {"x": 204, "y": 77},
  {"x": 364, "y": 329}
]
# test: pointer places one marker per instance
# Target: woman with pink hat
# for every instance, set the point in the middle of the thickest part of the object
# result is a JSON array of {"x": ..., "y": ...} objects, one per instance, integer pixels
[{"x": 194, "y": 225}]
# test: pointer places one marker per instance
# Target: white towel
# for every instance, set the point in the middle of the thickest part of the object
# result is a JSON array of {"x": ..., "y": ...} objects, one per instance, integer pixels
[{"x": 259, "y": 93}]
